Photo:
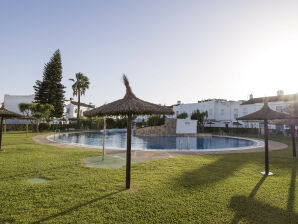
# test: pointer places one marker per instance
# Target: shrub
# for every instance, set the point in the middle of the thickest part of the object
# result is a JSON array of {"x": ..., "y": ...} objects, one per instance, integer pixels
[
  {"x": 182, "y": 115},
  {"x": 44, "y": 126},
  {"x": 141, "y": 124},
  {"x": 156, "y": 120},
  {"x": 16, "y": 127}
]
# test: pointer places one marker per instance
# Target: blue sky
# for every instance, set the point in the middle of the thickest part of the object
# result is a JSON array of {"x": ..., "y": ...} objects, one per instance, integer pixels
[{"x": 170, "y": 50}]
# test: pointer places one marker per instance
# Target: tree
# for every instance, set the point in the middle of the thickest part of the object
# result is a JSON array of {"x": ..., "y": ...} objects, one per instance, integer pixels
[
  {"x": 26, "y": 110},
  {"x": 38, "y": 111},
  {"x": 41, "y": 112},
  {"x": 99, "y": 122},
  {"x": 155, "y": 120},
  {"x": 81, "y": 84},
  {"x": 201, "y": 117},
  {"x": 50, "y": 90},
  {"x": 182, "y": 115}
]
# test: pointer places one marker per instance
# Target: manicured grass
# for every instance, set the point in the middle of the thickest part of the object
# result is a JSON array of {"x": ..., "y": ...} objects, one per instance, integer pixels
[{"x": 190, "y": 189}]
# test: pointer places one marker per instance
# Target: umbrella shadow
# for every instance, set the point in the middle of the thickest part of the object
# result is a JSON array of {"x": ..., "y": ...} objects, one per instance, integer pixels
[
  {"x": 291, "y": 197},
  {"x": 67, "y": 211},
  {"x": 38, "y": 172},
  {"x": 251, "y": 195},
  {"x": 255, "y": 211},
  {"x": 214, "y": 172},
  {"x": 257, "y": 187}
]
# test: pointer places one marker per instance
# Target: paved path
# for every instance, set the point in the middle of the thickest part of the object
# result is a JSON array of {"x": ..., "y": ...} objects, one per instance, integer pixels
[{"x": 154, "y": 155}]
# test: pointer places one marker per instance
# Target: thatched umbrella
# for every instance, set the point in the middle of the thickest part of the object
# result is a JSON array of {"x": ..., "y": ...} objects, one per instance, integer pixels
[
  {"x": 128, "y": 106},
  {"x": 265, "y": 114},
  {"x": 4, "y": 114},
  {"x": 292, "y": 123}
]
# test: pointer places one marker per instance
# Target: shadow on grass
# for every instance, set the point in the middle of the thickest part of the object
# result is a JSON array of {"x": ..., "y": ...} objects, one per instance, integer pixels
[
  {"x": 291, "y": 197},
  {"x": 255, "y": 211},
  {"x": 213, "y": 172},
  {"x": 256, "y": 188},
  {"x": 39, "y": 172},
  {"x": 7, "y": 220},
  {"x": 78, "y": 206},
  {"x": 251, "y": 195}
]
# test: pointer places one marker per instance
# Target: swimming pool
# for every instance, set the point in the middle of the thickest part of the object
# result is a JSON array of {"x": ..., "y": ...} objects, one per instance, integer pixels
[{"x": 116, "y": 139}]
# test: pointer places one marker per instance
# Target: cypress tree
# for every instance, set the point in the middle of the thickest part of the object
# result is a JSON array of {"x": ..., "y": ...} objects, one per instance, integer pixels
[{"x": 50, "y": 90}]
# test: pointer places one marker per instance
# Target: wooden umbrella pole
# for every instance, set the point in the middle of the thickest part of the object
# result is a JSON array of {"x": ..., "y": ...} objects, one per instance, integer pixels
[
  {"x": 266, "y": 147},
  {"x": 104, "y": 138},
  {"x": 128, "y": 151},
  {"x": 293, "y": 140},
  {"x": 1, "y": 127},
  {"x": 4, "y": 126}
]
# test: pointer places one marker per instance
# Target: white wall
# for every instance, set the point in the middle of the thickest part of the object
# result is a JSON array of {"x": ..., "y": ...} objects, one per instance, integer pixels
[
  {"x": 186, "y": 126},
  {"x": 218, "y": 111},
  {"x": 221, "y": 112},
  {"x": 70, "y": 110},
  {"x": 12, "y": 102}
]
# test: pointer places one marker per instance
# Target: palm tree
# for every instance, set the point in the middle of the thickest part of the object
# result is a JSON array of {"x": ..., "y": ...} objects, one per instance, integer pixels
[{"x": 81, "y": 84}]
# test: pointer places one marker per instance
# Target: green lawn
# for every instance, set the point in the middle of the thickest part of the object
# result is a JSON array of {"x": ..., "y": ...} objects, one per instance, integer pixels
[{"x": 190, "y": 189}]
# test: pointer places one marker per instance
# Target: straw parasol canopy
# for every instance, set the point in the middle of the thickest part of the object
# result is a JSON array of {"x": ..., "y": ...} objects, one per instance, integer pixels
[
  {"x": 4, "y": 114},
  {"x": 128, "y": 106},
  {"x": 265, "y": 114}
]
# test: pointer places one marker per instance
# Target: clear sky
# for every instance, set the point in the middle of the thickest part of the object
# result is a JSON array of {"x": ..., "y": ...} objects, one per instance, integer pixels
[{"x": 170, "y": 50}]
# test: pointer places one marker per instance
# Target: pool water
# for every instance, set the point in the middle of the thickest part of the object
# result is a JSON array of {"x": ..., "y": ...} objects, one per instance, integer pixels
[{"x": 117, "y": 139}]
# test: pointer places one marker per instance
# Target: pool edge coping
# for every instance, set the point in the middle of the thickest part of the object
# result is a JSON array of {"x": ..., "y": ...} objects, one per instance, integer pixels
[{"x": 259, "y": 144}]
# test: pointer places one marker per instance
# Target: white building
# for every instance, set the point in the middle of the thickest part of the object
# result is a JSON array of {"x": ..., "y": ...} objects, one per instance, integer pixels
[
  {"x": 222, "y": 112},
  {"x": 71, "y": 108},
  {"x": 12, "y": 102},
  {"x": 186, "y": 126}
]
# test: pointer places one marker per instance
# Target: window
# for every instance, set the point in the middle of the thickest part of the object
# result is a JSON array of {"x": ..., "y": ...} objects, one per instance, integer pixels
[
  {"x": 67, "y": 110},
  {"x": 76, "y": 111}
]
